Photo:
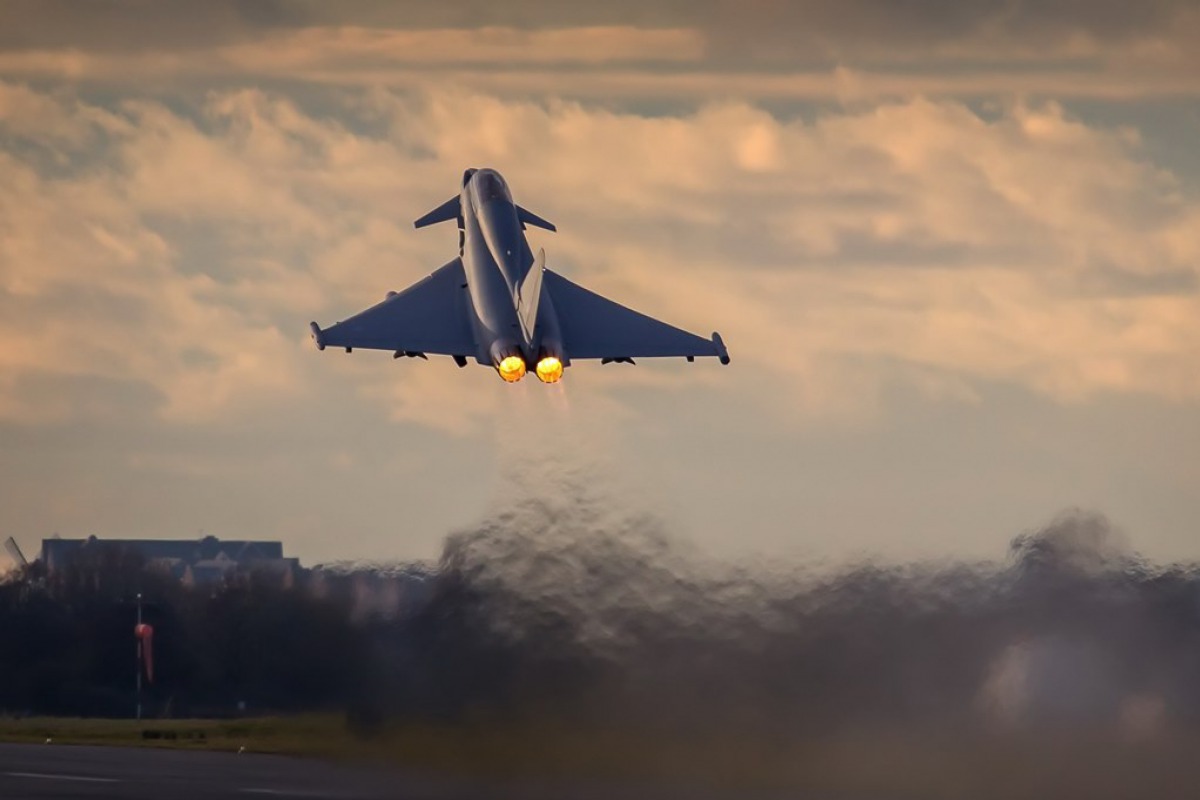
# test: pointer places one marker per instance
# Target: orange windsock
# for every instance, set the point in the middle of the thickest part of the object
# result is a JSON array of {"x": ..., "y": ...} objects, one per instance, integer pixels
[{"x": 145, "y": 636}]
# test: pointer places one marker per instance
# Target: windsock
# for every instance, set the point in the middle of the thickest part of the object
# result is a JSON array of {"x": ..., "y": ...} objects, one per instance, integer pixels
[{"x": 145, "y": 637}]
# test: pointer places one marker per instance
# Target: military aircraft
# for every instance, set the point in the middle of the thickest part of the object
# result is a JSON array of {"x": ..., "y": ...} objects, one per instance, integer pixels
[{"x": 497, "y": 303}]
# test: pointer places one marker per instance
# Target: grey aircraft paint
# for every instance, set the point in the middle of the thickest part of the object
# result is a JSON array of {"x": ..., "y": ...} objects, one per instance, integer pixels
[{"x": 498, "y": 304}]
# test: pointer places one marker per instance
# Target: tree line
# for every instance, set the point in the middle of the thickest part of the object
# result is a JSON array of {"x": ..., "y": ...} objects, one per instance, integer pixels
[
  {"x": 612, "y": 630},
  {"x": 249, "y": 644}
]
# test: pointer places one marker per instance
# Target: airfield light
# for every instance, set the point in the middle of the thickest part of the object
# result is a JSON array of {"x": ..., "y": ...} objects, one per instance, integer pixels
[
  {"x": 549, "y": 370},
  {"x": 511, "y": 369}
]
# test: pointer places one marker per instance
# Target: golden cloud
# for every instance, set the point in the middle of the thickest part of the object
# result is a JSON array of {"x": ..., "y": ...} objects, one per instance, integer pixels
[{"x": 913, "y": 241}]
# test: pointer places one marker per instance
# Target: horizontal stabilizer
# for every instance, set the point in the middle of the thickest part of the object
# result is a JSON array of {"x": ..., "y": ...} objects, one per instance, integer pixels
[
  {"x": 529, "y": 218},
  {"x": 451, "y": 209}
]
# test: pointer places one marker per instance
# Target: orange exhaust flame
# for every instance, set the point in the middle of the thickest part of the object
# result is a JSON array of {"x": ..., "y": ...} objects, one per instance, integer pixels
[
  {"x": 549, "y": 370},
  {"x": 511, "y": 369}
]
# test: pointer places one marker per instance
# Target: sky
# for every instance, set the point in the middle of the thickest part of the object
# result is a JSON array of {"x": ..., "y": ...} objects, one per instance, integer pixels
[{"x": 953, "y": 248}]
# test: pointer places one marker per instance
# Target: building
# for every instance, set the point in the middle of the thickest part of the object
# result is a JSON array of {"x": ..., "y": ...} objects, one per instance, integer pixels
[{"x": 206, "y": 560}]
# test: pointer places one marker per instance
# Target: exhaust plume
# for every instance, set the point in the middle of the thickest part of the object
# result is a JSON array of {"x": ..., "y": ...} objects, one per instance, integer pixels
[{"x": 1064, "y": 657}]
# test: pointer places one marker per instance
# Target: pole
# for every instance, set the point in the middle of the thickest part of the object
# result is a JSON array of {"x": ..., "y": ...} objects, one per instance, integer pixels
[{"x": 138, "y": 665}]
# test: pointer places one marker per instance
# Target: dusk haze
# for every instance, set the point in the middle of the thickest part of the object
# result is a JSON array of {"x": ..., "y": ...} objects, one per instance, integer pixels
[{"x": 580, "y": 397}]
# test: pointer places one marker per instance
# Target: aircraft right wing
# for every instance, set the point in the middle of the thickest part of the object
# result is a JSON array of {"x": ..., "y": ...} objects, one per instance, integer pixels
[
  {"x": 428, "y": 317},
  {"x": 596, "y": 327}
]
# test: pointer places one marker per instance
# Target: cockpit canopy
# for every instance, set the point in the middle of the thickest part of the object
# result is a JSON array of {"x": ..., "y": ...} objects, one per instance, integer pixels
[{"x": 490, "y": 186}]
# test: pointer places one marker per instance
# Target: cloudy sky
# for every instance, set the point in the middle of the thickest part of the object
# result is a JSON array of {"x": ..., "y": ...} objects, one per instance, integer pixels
[{"x": 954, "y": 249}]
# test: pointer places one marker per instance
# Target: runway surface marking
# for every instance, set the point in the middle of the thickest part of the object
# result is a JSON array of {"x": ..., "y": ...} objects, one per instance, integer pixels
[
  {"x": 43, "y": 776},
  {"x": 290, "y": 792}
]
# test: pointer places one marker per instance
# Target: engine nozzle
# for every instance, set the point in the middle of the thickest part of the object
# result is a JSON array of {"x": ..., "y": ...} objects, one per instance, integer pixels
[
  {"x": 511, "y": 368},
  {"x": 550, "y": 369},
  {"x": 509, "y": 362}
]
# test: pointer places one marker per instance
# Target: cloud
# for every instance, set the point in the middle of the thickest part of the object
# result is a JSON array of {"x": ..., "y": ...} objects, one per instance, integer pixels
[
  {"x": 128, "y": 24},
  {"x": 90, "y": 289},
  {"x": 800, "y": 50},
  {"x": 326, "y": 49},
  {"x": 366, "y": 55},
  {"x": 999, "y": 220},
  {"x": 919, "y": 242},
  {"x": 141, "y": 24},
  {"x": 976, "y": 29}
]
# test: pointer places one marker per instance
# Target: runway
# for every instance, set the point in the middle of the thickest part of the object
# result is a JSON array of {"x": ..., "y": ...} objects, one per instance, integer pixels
[
  {"x": 77, "y": 772},
  {"x": 66, "y": 772}
]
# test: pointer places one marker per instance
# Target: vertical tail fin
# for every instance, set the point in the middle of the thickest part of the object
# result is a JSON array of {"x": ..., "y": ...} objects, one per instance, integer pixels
[{"x": 529, "y": 293}]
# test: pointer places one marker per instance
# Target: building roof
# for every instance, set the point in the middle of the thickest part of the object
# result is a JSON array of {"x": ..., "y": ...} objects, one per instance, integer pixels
[{"x": 208, "y": 552}]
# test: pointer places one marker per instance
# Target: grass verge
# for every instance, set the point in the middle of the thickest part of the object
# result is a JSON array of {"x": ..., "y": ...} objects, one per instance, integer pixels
[{"x": 899, "y": 763}]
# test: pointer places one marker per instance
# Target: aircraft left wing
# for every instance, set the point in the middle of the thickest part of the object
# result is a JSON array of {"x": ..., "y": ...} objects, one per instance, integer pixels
[
  {"x": 596, "y": 327},
  {"x": 428, "y": 317}
]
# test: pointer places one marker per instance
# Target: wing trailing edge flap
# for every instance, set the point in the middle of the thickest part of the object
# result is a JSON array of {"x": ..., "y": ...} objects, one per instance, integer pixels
[
  {"x": 431, "y": 316},
  {"x": 596, "y": 327}
]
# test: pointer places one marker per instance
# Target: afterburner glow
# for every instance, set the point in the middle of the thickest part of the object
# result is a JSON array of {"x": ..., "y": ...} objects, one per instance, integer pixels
[
  {"x": 549, "y": 370},
  {"x": 511, "y": 369}
]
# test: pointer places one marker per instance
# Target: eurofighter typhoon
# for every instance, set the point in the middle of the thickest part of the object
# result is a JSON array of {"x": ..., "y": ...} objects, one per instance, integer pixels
[{"x": 497, "y": 303}]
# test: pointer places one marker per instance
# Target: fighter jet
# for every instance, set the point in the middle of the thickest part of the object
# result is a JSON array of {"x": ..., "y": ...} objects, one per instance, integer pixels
[{"x": 497, "y": 303}]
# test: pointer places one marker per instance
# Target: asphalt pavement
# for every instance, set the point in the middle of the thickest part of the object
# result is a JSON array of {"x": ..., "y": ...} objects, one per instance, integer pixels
[
  {"x": 76, "y": 772},
  {"x": 67, "y": 772}
]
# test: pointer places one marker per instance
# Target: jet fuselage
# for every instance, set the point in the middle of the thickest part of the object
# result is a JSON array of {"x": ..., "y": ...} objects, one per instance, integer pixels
[{"x": 497, "y": 261}]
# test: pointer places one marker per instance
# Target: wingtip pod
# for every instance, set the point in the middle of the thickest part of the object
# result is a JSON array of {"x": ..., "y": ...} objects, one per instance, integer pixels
[
  {"x": 317, "y": 335},
  {"x": 722, "y": 353}
]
